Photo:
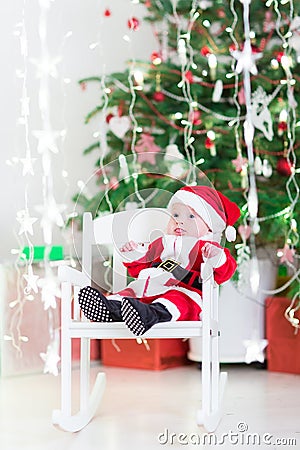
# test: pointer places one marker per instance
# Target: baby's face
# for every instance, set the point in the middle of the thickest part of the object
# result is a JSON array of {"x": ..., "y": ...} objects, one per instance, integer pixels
[{"x": 186, "y": 222}]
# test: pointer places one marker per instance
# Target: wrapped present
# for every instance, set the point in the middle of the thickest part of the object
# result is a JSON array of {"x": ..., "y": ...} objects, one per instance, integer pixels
[
  {"x": 283, "y": 350},
  {"x": 25, "y": 325},
  {"x": 151, "y": 354}
]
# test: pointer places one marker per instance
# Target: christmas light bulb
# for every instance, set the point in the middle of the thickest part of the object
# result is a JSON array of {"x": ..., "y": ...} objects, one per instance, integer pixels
[
  {"x": 181, "y": 48},
  {"x": 212, "y": 64},
  {"x": 294, "y": 225},
  {"x": 286, "y": 62},
  {"x": 211, "y": 135},
  {"x": 178, "y": 115},
  {"x": 124, "y": 171},
  {"x": 283, "y": 116},
  {"x": 274, "y": 64},
  {"x": 139, "y": 77}
]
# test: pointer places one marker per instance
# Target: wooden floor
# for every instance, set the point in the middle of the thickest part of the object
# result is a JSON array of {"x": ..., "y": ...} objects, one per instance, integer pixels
[{"x": 155, "y": 410}]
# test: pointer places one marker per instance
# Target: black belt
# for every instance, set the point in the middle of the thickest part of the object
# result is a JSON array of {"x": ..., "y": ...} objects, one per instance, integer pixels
[{"x": 181, "y": 274}]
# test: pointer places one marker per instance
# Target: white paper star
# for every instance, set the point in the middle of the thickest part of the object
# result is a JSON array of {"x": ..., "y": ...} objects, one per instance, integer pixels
[
  {"x": 31, "y": 281},
  {"x": 246, "y": 59},
  {"x": 46, "y": 140},
  {"x": 27, "y": 164},
  {"x": 26, "y": 222},
  {"x": 50, "y": 292},
  {"x": 51, "y": 214},
  {"x": 46, "y": 67},
  {"x": 51, "y": 359},
  {"x": 255, "y": 350}
]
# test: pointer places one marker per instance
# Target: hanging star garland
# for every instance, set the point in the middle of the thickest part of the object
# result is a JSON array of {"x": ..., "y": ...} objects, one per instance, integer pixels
[
  {"x": 51, "y": 359},
  {"x": 46, "y": 67},
  {"x": 27, "y": 164},
  {"x": 46, "y": 140},
  {"x": 31, "y": 281},
  {"x": 51, "y": 214},
  {"x": 255, "y": 350},
  {"x": 49, "y": 292},
  {"x": 25, "y": 221}
]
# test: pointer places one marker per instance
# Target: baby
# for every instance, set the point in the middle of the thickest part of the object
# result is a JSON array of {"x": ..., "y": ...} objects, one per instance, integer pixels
[{"x": 168, "y": 285}]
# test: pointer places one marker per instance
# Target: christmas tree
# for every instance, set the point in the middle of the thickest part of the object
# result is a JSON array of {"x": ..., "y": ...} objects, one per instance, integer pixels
[{"x": 183, "y": 112}]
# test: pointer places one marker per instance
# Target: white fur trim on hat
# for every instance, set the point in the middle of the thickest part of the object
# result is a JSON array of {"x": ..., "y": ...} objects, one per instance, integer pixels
[{"x": 212, "y": 219}]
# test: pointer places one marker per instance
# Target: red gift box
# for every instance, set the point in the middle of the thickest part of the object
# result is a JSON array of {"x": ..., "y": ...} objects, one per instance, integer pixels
[
  {"x": 283, "y": 350},
  {"x": 94, "y": 349},
  {"x": 153, "y": 354}
]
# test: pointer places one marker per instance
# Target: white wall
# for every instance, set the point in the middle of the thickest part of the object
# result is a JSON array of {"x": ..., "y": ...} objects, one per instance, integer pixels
[{"x": 69, "y": 104}]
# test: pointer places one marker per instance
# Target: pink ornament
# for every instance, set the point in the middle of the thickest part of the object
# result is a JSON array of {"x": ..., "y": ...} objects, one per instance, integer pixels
[
  {"x": 113, "y": 183},
  {"x": 286, "y": 254},
  {"x": 239, "y": 163},
  {"x": 241, "y": 96},
  {"x": 244, "y": 231},
  {"x": 146, "y": 149},
  {"x": 195, "y": 117}
]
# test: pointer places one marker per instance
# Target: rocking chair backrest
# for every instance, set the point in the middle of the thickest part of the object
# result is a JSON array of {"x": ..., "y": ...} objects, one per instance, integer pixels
[{"x": 141, "y": 225}]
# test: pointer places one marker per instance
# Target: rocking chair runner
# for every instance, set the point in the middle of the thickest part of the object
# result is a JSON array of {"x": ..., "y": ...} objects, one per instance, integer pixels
[{"x": 114, "y": 230}]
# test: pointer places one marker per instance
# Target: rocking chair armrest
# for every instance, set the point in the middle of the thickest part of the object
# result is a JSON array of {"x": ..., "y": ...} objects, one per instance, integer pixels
[{"x": 73, "y": 276}]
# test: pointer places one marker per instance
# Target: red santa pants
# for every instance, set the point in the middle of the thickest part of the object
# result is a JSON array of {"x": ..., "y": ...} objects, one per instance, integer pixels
[{"x": 179, "y": 304}]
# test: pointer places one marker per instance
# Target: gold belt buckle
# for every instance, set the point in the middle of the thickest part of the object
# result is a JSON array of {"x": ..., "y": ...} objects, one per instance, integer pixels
[{"x": 169, "y": 265}]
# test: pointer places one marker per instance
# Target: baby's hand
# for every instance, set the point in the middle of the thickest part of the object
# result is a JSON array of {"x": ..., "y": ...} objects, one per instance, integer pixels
[
  {"x": 129, "y": 246},
  {"x": 210, "y": 250}
]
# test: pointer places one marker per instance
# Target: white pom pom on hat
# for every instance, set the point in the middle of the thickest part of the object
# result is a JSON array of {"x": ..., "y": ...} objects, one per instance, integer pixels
[{"x": 217, "y": 211}]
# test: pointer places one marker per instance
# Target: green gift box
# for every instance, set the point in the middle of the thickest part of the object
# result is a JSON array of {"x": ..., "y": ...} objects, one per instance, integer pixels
[{"x": 56, "y": 253}]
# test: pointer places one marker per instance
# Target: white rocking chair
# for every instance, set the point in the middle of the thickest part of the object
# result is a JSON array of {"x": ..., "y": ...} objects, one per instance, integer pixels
[{"x": 116, "y": 229}]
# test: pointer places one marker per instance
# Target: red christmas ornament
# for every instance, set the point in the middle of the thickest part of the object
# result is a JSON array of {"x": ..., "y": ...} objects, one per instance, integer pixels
[
  {"x": 195, "y": 117},
  {"x": 221, "y": 13},
  {"x": 282, "y": 127},
  {"x": 107, "y": 12},
  {"x": 233, "y": 48},
  {"x": 189, "y": 76},
  {"x": 108, "y": 117},
  {"x": 156, "y": 58},
  {"x": 158, "y": 96},
  {"x": 279, "y": 56},
  {"x": 205, "y": 51},
  {"x": 133, "y": 23},
  {"x": 209, "y": 143},
  {"x": 284, "y": 167}
]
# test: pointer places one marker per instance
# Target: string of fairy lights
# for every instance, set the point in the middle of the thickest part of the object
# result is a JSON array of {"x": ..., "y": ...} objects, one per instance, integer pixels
[{"x": 30, "y": 285}]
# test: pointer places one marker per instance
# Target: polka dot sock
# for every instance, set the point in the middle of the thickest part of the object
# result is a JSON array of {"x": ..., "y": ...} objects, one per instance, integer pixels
[
  {"x": 96, "y": 307},
  {"x": 132, "y": 317},
  {"x": 140, "y": 317}
]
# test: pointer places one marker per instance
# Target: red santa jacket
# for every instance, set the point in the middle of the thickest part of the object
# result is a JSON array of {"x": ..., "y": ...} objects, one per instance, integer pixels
[{"x": 188, "y": 253}]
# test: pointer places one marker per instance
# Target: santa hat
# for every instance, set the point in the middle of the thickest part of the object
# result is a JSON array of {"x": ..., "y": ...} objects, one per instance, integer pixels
[{"x": 218, "y": 212}]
